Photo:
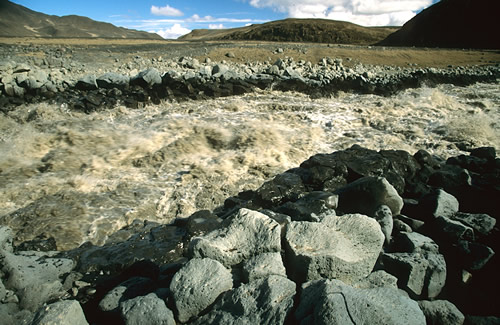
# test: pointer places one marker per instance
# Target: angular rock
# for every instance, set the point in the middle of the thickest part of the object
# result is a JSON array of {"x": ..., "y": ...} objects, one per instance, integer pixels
[
  {"x": 420, "y": 274},
  {"x": 146, "y": 310},
  {"x": 377, "y": 279},
  {"x": 441, "y": 312},
  {"x": 437, "y": 204},
  {"x": 334, "y": 302},
  {"x": 61, "y": 312},
  {"x": 488, "y": 153},
  {"x": 414, "y": 242},
  {"x": 451, "y": 231},
  {"x": 344, "y": 247},
  {"x": 453, "y": 179},
  {"x": 246, "y": 234},
  {"x": 262, "y": 301},
  {"x": 35, "y": 276},
  {"x": 196, "y": 286},
  {"x": 131, "y": 288},
  {"x": 147, "y": 78},
  {"x": 367, "y": 194},
  {"x": 111, "y": 80},
  {"x": 481, "y": 223},
  {"x": 263, "y": 265},
  {"x": 88, "y": 82},
  {"x": 284, "y": 187},
  {"x": 473, "y": 256}
]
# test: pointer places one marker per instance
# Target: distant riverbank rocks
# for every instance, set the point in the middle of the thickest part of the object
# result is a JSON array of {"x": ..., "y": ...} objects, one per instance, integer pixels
[
  {"x": 143, "y": 82},
  {"x": 298, "y": 250}
]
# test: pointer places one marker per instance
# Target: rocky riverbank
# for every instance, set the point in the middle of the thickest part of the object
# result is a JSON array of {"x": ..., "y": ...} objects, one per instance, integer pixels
[
  {"x": 65, "y": 77},
  {"x": 356, "y": 236}
]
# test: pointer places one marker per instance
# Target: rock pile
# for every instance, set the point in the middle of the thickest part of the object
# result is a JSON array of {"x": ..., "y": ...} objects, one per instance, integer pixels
[
  {"x": 353, "y": 237},
  {"x": 188, "y": 78}
]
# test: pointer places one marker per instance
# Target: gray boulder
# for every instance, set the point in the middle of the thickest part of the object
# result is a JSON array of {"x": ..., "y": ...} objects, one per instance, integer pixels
[
  {"x": 420, "y": 274},
  {"x": 148, "y": 309},
  {"x": 88, "y": 82},
  {"x": 131, "y": 288},
  {"x": 262, "y": 301},
  {"x": 441, "y": 312},
  {"x": 481, "y": 223},
  {"x": 196, "y": 286},
  {"x": 437, "y": 204},
  {"x": 111, "y": 80},
  {"x": 451, "y": 231},
  {"x": 147, "y": 78},
  {"x": 473, "y": 256},
  {"x": 414, "y": 242},
  {"x": 248, "y": 233},
  {"x": 377, "y": 279},
  {"x": 334, "y": 302},
  {"x": 64, "y": 312},
  {"x": 314, "y": 206},
  {"x": 367, "y": 194},
  {"x": 35, "y": 276},
  {"x": 263, "y": 265},
  {"x": 344, "y": 247},
  {"x": 6, "y": 239}
]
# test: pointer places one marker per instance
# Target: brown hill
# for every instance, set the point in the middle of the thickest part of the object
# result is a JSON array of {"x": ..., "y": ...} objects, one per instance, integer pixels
[
  {"x": 19, "y": 21},
  {"x": 452, "y": 24},
  {"x": 298, "y": 30}
]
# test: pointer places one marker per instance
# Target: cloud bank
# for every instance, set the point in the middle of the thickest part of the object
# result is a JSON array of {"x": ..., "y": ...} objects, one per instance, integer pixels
[
  {"x": 361, "y": 12},
  {"x": 173, "y": 32},
  {"x": 166, "y": 11}
]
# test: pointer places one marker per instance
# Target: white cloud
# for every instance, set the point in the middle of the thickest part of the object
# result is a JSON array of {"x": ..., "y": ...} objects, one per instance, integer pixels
[
  {"x": 166, "y": 11},
  {"x": 173, "y": 32},
  {"x": 215, "y": 26},
  {"x": 362, "y": 12}
]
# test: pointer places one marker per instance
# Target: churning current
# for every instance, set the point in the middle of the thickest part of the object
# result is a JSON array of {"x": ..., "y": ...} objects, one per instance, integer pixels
[{"x": 80, "y": 177}]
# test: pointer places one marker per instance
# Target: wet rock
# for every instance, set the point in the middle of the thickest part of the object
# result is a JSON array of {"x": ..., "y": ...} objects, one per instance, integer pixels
[
  {"x": 488, "y": 153},
  {"x": 333, "y": 302},
  {"x": 246, "y": 234},
  {"x": 196, "y": 286},
  {"x": 146, "y": 310},
  {"x": 202, "y": 222},
  {"x": 111, "y": 80},
  {"x": 453, "y": 179},
  {"x": 481, "y": 223},
  {"x": 344, "y": 247},
  {"x": 263, "y": 265},
  {"x": 88, "y": 82},
  {"x": 284, "y": 187},
  {"x": 420, "y": 274},
  {"x": 35, "y": 276},
  {"x": 441, "y": 312},
  {"x": 61, "y": 312},
  {"x": 262, "y": 301},
  {"x": 437, "y": 204},
  {"x": 367, "y": 194},
  {"x": 131, "y": 288}
]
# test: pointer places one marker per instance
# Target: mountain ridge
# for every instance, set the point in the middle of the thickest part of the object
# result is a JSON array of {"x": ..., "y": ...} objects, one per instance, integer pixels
[{"x": 37, "y": 24}]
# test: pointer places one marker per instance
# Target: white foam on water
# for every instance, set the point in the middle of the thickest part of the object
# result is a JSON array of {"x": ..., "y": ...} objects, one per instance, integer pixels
[{"x": 105, "y": 169}]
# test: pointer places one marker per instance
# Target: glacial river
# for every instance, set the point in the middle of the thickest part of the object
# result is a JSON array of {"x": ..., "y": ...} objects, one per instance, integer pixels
[{"x": 79, "y": 177}]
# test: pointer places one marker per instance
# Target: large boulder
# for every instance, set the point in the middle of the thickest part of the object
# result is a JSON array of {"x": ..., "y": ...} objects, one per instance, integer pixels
[
  {"x": 367, "y": 194},
  {"x": 131, "y": 288},
  {"x": 262, "y": 301},
  {"x": 61, "y": 312},
  {"x": 147, "y": 78},
  {"x": 111, "y": 80},
  {"x": 246, "y": 234},
  {"x": 35, "y": 276},
  {"x": 344, "y": 247},
  {"x": 146, "y": 310},
  {"x": 196, "y": 286},
  {"x": 441, "y": 312},
  {"x": 438, "y": 203},
  {"x": 334, "y": 302},
  {"x": 262, "y": 266}
]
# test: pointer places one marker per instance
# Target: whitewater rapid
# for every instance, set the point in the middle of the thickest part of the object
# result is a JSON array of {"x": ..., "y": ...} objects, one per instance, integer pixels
[{"x": 80, "y": 177}]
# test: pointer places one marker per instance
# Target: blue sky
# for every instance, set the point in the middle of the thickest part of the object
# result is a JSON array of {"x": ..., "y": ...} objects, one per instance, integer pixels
[{"x": 173, "y": 18}]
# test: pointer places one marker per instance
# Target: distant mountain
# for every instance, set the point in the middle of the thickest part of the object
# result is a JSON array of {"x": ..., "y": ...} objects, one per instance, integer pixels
[
  {"x": 298, "y": 30},
  {"x": 19, "y": 21},
  {"x": 452, "y": 24}
]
